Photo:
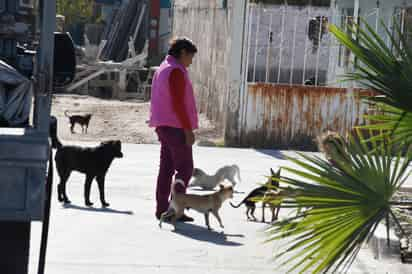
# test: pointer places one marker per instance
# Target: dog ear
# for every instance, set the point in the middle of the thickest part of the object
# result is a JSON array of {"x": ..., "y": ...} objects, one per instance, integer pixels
[
  {"x": 105, "y": 143},
  {"x": 221, "y": 186},
  {"x": 272, "y": 172}
]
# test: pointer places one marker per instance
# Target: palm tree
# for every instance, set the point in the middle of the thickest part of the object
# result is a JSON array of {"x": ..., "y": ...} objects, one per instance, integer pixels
[{"x": 343, "y": 203}]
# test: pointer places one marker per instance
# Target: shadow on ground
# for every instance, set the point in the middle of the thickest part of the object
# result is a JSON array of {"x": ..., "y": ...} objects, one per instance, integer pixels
[
  {"x": 98, "y": 210},
  {"x": 206, "y": 191},
  {"x": 272, "y": 153},
  {"x": 201, "y": 233}
]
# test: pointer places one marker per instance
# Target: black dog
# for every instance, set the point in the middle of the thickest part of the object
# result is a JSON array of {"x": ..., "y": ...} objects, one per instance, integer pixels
[
  {"x": 82, "y": 120},
  {"x": 94, "y": 162},
  {"x": 260, "y": 192}
]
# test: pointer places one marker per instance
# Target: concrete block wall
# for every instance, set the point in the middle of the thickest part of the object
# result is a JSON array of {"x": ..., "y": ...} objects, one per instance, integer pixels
[{"x": 207, "y": 23}]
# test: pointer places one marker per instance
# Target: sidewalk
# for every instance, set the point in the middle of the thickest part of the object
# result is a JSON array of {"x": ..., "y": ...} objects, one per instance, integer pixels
[{"x": 126, "y": 238}]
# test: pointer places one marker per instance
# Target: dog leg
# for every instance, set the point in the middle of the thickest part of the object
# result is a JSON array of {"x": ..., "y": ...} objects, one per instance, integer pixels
[
  {"x": 168, "y": 214},
  {"x": 59, "y": 192},
  {"x": 252, "y": 213},
  {"x": 61, "y": 188},
  {"x": 87, "y": 186},
  {"x": 216, "y": 214},
  {"x": 179, "y": 213},
  {"x": 263, "y": 212},
  {"x": 248, "y": 215},
  {"x": 100, "y": 183},
  {"x": 275, "y": 213},
  {"x": 72, "y": 127},
  {"x": 207, "y": 220}
]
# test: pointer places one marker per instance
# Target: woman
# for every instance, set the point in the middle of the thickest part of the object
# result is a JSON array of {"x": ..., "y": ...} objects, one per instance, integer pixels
[{"x": 174, "y": 115}]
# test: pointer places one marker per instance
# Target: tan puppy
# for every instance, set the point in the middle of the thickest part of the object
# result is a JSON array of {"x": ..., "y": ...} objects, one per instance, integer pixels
[
  {"x": 205, "y": 204},
  {"x": 332, "y": 144}
]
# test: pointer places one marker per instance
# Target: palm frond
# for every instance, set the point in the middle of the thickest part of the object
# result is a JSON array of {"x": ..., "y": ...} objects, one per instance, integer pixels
[
  {"x": 343, "y": 204},
  {"x": 393, "y": 124},
  {"x": 387, "y": 71}
]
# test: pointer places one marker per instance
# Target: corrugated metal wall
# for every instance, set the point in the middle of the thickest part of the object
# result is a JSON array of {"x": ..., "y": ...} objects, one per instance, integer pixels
[
  {"x": 207, "y": 23},
  {"x": 283, "y": 116}
]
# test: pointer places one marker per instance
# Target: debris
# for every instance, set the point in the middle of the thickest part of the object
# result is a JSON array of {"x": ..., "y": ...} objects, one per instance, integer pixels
[{"x": 115, "y": 67}]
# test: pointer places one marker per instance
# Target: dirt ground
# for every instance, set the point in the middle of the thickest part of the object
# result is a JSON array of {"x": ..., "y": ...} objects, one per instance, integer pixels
[{"x": 114, "y": 119}]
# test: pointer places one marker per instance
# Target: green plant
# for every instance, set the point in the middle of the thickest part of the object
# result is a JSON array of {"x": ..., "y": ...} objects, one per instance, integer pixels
[
  {"x": 75, "y": 11},
  {"x": 386, "y": 70},
  {"x": 341, "y": 204}
]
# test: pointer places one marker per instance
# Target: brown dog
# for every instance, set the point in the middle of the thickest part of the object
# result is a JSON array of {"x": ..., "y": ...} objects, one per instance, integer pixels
[
  {"x": 202, "y": 203},
  {"x": 82, "y": 120}
]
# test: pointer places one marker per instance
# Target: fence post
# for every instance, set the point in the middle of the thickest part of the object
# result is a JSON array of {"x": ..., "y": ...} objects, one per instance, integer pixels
[{"x": 237, "y": 72}]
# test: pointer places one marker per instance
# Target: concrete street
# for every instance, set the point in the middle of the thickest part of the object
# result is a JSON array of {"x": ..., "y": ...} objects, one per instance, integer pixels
[{"x": 126, "y": 238}]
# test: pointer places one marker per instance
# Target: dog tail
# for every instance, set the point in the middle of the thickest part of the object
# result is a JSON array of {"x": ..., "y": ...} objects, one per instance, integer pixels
[
  {"x": 241, "y": 203},
  {"x": 250, "y": 195},
  {"x": 66, "y": 113},
  {"x": 236, "y": 206}
]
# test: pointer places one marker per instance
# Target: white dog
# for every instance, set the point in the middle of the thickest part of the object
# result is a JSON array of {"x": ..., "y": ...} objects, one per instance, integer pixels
[{"x": 209, "y": 182}]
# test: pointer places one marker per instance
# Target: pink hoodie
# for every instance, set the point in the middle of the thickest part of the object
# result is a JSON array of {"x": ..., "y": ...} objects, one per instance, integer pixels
[{"x": 161, "y": 107}]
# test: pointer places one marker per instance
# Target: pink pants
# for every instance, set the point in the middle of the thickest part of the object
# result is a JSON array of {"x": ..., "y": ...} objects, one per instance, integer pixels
[{"x": 176, "y": 159}]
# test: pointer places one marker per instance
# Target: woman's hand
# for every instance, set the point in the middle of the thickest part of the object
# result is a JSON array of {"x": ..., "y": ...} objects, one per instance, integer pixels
[{"x": 189, "y": 137}]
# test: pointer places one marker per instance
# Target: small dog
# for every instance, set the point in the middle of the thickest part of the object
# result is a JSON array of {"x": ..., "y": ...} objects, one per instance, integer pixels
[
  {"x": 332, "y": 144},
  {"x": 94, "y": 162},
  {"x": 209, "y": 182},
  {"x": 261, "y": 192},
  {"x": 82, "y": 120},
  {"x": 202, "y": 203}
]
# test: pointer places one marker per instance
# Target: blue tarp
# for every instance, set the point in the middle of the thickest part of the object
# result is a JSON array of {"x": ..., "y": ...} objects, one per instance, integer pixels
[{"x": 16, "y": 92}]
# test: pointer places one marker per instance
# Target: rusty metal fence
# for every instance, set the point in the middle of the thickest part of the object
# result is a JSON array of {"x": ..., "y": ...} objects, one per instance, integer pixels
[{"x": 291, "y": 116}]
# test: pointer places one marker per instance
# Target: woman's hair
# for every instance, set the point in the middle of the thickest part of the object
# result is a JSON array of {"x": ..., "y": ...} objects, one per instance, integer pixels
[{"x": 179, "y": 44}]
